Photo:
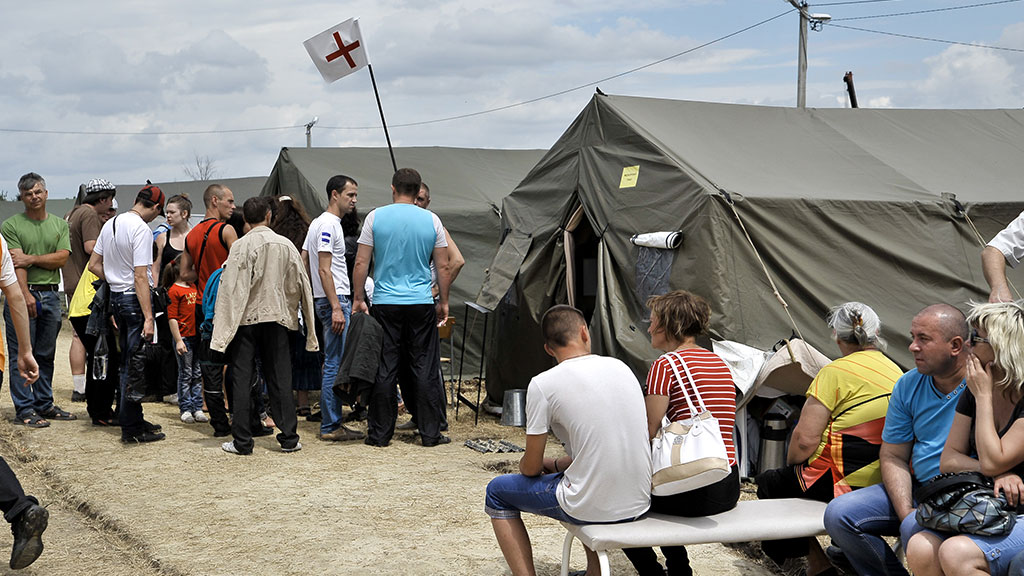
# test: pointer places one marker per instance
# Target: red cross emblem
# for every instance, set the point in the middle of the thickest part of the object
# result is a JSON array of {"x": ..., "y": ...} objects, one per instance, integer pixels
[{"x": 343, "y": 50}]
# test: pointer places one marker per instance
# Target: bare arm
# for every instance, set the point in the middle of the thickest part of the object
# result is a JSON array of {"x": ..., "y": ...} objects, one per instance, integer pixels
[
  {"x": 443, "y": 283},
  {"x": 359, "y": 273},
  {"x": 305, "y": 262},
  {"x": 532, "y": 463},
  {"x": 657, "y": 407},
  {"x": 806, "y": 437},
  {"x": 161, "y": 241},
  {"x": 455, "y": 259},
  {"x": 188, "y": 270},
  {"x": 27, "y": 367},
  {"x": 327, "y": 281},
  {"x": 142, "y": 293},
  {"x": 96, "y": 265},
  {"x": 88, "y": 245},
  {"x": 179, "y": 343},
  {"x": 993, "y": 264},
  {"x": 895, "y": 460},
  {"x": 30, "y": 300},
  {"x": 51, "y": 261},
  {"x": 955, "y": 453},
  {"x": 996, "y": 455}
]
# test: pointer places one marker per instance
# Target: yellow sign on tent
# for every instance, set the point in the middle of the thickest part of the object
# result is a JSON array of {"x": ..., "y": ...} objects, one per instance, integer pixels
[{"x": 629, "y": 176}]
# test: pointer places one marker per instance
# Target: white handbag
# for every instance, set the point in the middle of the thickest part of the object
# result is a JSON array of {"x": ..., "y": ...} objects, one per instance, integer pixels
[{"x": 688, "y": 454}]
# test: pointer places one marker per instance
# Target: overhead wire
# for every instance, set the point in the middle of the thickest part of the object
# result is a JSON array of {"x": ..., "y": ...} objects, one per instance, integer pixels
[
  {"x": 925, "y": 38},
  {"x": 916, "y": 12}
]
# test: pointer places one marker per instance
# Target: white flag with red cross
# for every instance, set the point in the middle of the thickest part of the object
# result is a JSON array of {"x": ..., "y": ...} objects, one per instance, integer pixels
[{"x": 338, "y": 51}]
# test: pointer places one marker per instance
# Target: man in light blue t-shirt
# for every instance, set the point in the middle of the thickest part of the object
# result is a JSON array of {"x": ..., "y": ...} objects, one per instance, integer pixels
[
  {"x": 916, "y": 425},
  {"x": 401, "y": 239}
]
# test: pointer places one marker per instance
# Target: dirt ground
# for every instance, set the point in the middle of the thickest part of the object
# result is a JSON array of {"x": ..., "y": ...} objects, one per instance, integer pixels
[{"x": 183, "y": 506}]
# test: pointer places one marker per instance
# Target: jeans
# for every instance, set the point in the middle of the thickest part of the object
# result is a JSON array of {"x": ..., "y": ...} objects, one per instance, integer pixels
[
  {"x": 190, "y": 378},
  {"x": 129, "y": 318},
  {"x": 857, "y": 520},
  {"x": 510, "y": 494},
  {"x": 333, "y": 348},
  {"x": 44, "y": 328}
]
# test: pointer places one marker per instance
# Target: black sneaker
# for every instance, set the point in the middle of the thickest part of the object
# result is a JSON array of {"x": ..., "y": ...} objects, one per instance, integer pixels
[
  {"x": 77, "y": 396},
  {"x": 143, "y": 437},
  {"x": 150, "y": 427},
  {"x": 262, "y": 431},
  {"x": 28, "y": 531}
]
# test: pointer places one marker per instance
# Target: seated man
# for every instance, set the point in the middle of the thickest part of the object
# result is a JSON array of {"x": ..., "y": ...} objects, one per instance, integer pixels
[
  {"x": 916, "y": 425},
  {"x": 606, "y": 476}
]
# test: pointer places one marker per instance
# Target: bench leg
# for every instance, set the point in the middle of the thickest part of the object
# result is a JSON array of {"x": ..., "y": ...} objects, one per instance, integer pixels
[
  {"x": 602, "y": 557},
  {"x": 566, "y": 551}
]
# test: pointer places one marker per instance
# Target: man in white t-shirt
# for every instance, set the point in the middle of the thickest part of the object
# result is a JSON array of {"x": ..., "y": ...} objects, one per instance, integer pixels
[
  {"x": 324, "y": 254},
  {"x": 123, "y": 257},
  {"x": 1006, "y": 247},
  {"x": 606, "y": 475}
]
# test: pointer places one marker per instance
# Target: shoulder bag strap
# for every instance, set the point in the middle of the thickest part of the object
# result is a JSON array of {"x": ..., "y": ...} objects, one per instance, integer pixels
[
  {"x": 682, "y": 384},
  {"x": 202, "y": 247}
]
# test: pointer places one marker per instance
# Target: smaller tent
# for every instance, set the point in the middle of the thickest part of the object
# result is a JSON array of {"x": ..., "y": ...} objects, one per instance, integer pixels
[
  {"x": 840, "y": 204},
  {"x": 466, "y": 185}
]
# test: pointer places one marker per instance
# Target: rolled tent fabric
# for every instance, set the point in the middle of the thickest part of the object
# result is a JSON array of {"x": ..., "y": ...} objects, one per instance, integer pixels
[{"x": 663, "y": 240}]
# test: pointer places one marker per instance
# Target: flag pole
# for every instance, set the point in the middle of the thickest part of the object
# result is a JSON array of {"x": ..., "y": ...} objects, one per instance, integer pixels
[{"x": 382, "y": 121}]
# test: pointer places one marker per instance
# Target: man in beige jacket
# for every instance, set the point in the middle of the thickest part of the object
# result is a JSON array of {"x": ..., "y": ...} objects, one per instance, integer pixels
[{"x": 261, "y": 289}]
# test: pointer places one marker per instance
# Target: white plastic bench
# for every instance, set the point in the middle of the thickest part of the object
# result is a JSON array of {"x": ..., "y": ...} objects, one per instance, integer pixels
[{"x": 749, "y": 521}]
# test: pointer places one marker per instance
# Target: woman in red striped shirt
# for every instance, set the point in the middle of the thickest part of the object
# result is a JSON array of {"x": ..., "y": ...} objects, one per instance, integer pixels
[{"x": 677, "y": 319}]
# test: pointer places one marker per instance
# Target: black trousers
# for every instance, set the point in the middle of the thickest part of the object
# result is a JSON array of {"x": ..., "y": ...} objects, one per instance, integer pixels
[
  {"x": 13, "y": 500},
  {"x": 783, "y": 483},
  {"x": 99, "y": 394},
  {"x": 714, "y": 499},
  {"x": 409, "y": 337},
  {"x": 405, "y": 375},
  {"x": 268, "y": 341},
  {"x": 211, "y": 365}
]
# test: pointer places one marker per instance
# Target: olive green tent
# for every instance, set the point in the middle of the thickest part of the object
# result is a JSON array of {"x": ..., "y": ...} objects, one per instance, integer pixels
[
  {"x": 466, "y": 185},
  {"x": 841, "y": 204}
]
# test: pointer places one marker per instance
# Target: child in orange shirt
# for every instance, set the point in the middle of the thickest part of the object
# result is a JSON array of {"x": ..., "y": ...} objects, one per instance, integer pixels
[{"x": 181, "y": 314}]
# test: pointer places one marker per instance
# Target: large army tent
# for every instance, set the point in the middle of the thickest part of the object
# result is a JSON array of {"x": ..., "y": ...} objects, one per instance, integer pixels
[
  {"x": 467, "y": 186},
  {"x": 841, "y": 204}
]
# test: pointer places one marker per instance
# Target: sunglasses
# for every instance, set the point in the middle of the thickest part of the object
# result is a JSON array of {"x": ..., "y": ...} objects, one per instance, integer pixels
[{"x": 975, "y": 338}]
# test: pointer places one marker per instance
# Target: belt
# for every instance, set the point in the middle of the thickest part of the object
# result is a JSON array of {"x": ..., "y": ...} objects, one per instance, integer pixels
[{"x": 43, "y": 287}]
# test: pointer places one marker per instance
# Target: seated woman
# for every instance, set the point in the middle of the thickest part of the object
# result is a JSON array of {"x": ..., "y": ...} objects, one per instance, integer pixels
[
  {"x": 989, "y": 422},
  {"x": 834, "y": 447},
  {"x": 677, "y": 318}
]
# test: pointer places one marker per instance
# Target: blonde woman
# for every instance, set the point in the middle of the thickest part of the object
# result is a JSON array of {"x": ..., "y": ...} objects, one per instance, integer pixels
[{"x": 987, "y": 436}]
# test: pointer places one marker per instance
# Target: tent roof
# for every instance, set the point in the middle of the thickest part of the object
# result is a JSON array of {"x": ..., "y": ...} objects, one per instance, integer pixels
[
  {"x": 464, "y": 178},
  {"x": 836, "y": 153}
]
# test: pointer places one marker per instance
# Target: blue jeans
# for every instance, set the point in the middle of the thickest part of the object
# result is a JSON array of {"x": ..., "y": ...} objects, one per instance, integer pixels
[
  {"x": 129, "y": 318},
  {"x": 44, "y": 329},
  {"x": 190, "y": 378},
  {"x": 857, "y": 520},
  {"x": 510, "y": 494},
  {"x": 333, "y": 348}
]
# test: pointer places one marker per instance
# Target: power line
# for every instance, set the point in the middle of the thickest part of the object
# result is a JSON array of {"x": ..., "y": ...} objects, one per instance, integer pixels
[
  {"x": 852, "y": 2},
  {"x": 568, "y": 90},
  {"x": 170, "y": 133},
  {"x": 925, "y": 38},
  {"x": 915, "y": 12}
]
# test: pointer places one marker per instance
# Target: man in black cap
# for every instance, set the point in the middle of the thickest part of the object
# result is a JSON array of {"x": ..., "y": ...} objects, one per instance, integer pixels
[
  {"x": 84, "y": 224},
  {"x": 123, "y": 256}
]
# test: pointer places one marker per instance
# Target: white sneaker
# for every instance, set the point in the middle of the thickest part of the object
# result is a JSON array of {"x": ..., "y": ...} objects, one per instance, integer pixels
[
  {"x": 296, "y": 448},
  {"x": 200, "y": 416},
  {"x": 171, "y": 399},
  {"x": 187, "y": 418},
  {"x": 230, "y": 448}
]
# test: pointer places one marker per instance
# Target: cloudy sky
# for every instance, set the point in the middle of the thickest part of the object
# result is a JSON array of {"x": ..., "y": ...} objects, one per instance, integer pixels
[{"x": 134, "y": 89}]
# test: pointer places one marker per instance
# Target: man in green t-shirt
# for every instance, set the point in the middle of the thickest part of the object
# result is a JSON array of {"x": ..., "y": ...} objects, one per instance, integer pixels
[{"x": 39, "y": 246}]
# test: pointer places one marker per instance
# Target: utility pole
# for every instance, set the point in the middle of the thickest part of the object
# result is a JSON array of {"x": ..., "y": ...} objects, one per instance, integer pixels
[
  {"x": 816, "y": 21},
  {"x": 309, "y": 132}
]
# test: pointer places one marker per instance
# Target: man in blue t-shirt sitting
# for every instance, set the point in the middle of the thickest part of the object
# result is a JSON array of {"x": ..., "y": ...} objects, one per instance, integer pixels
[
  {"x": 916, "y": 425},
  {"x": 401, "y": 239}
]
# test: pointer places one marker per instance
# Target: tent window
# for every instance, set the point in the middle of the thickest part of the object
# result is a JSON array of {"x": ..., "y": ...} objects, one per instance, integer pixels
[{"x": 653, "y": 267}]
